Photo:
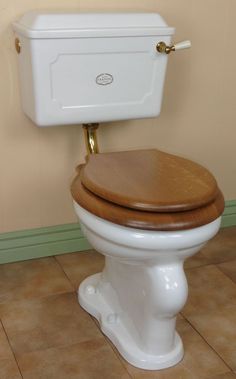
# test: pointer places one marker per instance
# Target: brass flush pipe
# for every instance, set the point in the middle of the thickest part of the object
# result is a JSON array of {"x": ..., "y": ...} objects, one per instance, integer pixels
[{"x": 90, "y": 136}]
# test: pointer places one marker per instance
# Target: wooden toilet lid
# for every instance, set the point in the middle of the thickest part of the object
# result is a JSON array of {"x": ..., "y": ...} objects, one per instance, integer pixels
[
  {"x": 149, "y": 180},
  {"x": 165, "y": 221}
]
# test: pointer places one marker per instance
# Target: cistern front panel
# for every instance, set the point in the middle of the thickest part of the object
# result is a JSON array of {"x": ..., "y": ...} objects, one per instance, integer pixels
[{"x": 91, "y": 68}]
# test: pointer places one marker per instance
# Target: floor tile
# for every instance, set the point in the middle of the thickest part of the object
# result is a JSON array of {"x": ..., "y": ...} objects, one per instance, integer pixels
[
  {"x": 8, "y": 366},
  {"x": 196, "y": 260},
  {"x": 211, "y": 309},
  {"x": 48, "y": 322},
  {"x": 229, "y": 375},
  {"x": 229, "y": 269},
  {"x": 32, "y": 279},
  {"x": 9, "y": 369},
  {"x": 209, "y": 290},
  {"x": 5, "y": 349},
  {"x": 78, "y": 266},
  {"x": 199, "y": 361},
  {"x": 222, "y": 247},
  {"x": 219, "y": 330},
  {"x": 92, "y": 359}
]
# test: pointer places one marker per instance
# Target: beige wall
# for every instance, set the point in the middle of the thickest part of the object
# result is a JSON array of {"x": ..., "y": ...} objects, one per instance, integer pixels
[{"x": 197, "y": 120}]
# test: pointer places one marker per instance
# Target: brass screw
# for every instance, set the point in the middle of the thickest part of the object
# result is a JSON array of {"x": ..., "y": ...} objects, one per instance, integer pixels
[
  {"x": 161, "y": 47},
  {"x": 17, "y": 45}
]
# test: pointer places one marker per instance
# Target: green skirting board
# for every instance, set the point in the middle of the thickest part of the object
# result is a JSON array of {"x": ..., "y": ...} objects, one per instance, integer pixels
[
  {"x": 229, "y": 215},
  {"x": 41, "y": 242},
  {"x": 61, "y": 239}
]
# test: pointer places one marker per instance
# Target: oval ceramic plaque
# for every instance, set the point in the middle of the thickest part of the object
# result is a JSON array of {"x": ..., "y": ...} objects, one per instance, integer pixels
[{"x": 104, "y": 79}]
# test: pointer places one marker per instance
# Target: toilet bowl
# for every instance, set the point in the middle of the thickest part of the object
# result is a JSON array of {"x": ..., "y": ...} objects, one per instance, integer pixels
[{"x": 143, "y": 286}]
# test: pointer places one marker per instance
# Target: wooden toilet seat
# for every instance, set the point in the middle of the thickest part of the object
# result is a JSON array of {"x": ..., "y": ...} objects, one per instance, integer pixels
[{"x": 148, "y": 189}]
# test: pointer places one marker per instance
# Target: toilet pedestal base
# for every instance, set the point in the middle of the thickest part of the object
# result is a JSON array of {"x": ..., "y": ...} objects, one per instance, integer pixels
[
  {"x": 142, "y": 287},
  {"x": 92, "y": 299}
]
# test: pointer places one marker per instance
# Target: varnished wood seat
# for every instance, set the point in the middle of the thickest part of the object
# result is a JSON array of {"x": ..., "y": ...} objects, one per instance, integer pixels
[{"x": 148, "y": 189}]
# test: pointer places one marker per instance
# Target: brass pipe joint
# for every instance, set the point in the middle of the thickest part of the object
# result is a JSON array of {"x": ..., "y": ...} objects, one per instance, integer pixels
[{"x": 90, "y": 136}]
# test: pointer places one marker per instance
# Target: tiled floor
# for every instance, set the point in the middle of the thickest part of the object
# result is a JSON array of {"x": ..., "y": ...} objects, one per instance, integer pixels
[{"x": 44, "y": 334}]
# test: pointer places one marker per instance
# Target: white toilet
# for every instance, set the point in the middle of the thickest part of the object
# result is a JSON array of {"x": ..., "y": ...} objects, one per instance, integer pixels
[{"x": 145, "y": 210}]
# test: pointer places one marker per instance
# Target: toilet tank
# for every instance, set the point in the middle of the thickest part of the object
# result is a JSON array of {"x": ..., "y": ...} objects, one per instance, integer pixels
[{"x": 86, "y": 68}]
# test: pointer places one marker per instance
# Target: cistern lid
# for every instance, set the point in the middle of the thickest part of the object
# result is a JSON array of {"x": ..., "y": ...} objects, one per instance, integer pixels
[{"x": 61, "y": 24}]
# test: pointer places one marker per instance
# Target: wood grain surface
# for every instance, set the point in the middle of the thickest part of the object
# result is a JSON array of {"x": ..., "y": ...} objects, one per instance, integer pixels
[
  {"x": 165, "y": 221},
  {"x": 149, "y": 180}
]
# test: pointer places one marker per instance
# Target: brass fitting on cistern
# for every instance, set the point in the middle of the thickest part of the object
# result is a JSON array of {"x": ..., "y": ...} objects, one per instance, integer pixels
[
  {"x": 162, "y": 47},
  {"x": 90, "y": 136}
]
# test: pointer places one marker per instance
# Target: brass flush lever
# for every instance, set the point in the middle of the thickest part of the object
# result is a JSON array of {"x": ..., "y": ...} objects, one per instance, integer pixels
[{"x": 163, "y": 48}]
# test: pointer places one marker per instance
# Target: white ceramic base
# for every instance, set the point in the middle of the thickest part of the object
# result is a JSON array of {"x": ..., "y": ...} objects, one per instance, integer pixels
[
  {"x": 92, "y": 300},
  {"x": 142, "y": 287}
]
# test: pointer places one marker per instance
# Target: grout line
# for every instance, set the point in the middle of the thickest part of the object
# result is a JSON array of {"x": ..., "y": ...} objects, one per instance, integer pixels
[
  {"x": 9, "y": 343},
  {"x": 62, "y": 268},
  {"x": 227, "y": 276},
  {"x": 200, "y": 266},
  {"x": 217, "y": 266},
  {"x": 209, "y": 264},
  {"x": 32, "y": 299},
  {"x": 118, "y": 355},
  {"x": 211, "y": 347},
  {"x": 114, "y": 349}
]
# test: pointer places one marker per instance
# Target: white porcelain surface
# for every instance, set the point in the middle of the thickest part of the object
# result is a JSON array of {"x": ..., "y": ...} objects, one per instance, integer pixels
[
  {"x": 142, "y": 287},
  {"x": 82, "y": 74},
  {"x": 182, "y": 45},
  {"x": 58, "y": 24},
  {"x": 97, "y": 297}
]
